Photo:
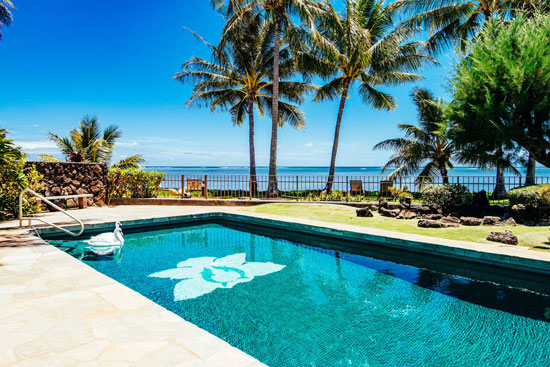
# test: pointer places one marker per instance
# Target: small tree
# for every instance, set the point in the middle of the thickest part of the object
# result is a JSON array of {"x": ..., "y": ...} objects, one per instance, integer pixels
[
  {"x": 88, "y": 144},
  {"x": 503, "y": 86},
  {"x": 425, "y": 148}
]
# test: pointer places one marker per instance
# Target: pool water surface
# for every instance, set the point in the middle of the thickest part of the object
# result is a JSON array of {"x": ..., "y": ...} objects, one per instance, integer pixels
[{"x": 288, "y": 304}]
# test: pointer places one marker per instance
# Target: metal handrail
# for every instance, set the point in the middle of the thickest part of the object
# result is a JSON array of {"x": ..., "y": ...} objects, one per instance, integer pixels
[{"x": 21, "y": 218}]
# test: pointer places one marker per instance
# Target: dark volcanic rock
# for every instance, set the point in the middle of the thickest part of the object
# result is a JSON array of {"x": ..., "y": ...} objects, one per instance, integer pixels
[
  {"x": 492, "y": 221},
  {"x": 507, "y": 237},
  {"x": 406, "y": 214},
  {"x": 432, "y": 216},
  {"x": 423, "y": 210},
  {"x": 470, "y": 221},
  {"x": 389, "y": 213},
  {"x": 428, "y": 223},
  {"x": 480, "y": 200},
  {"x": 511, "y": 222},
  {"x": 67, "y": 178},
  {"x": 450, "y": 219},
  {"x": 524, "y": 213},
  {"x": 364, "y": 212}
]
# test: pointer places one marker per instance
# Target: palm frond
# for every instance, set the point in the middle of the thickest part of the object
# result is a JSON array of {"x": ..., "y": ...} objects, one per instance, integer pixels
[
  {"x": 135, "y": 161},
  {"x": 47, "y": 158},
  {"x": 64, "y": 144}
]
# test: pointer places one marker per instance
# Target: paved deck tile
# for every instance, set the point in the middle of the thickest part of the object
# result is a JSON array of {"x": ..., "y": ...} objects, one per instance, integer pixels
[{"x": 57, "y": 311}]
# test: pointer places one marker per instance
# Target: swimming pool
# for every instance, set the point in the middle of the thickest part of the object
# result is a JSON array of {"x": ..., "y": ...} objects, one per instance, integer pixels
[{"x": 305, "y": 303}]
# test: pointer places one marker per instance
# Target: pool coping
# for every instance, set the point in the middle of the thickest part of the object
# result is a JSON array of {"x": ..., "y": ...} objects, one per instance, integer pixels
[
  {"x": 57, "y": 310},
  {"x": 499, "y": 255}
]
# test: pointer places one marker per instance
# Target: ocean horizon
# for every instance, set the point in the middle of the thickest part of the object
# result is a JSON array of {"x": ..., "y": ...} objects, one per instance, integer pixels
[{"x": 323, "y": 170}]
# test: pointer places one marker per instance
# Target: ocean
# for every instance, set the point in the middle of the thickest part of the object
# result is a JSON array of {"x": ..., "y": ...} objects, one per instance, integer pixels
[{"x": 320, "y": 171}]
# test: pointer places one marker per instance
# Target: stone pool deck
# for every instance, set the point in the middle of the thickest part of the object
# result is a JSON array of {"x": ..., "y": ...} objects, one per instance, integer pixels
[{"x": 57, "y": 311}]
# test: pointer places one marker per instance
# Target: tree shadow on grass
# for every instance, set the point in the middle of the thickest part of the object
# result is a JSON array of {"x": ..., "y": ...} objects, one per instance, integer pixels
[{"x": 545, "y": 247}]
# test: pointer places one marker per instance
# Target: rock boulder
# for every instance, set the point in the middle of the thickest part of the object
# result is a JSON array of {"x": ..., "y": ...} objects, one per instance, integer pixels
[
  {"x": 429, "y": 223},
  {"x": 506, "y": 237},
  {"x": 470, "y": 221},
  {"x": 450, "y": 219},
  {"x": 492, "y": 221},
  {"x": 364, "y": 213}
]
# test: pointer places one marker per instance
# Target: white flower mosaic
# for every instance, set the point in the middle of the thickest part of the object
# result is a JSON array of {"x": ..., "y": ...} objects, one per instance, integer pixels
[{"x": 202, "y": 275}]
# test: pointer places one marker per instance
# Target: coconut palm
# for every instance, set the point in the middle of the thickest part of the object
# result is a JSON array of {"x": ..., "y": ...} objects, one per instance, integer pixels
[
  {"x": 87, "y": 143},
  {"x": 281, "y": 13},
  {"x": 5, "y": 14},
  {"x": 425, "y": 147},
  {"x": 360, "y": 48},
  {"x": 457, "y": 22},
  {"x": 239, "y": 79}
]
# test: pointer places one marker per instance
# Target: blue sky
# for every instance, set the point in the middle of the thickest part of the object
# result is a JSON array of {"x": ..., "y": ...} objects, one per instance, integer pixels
[{"x": 62, "y": 59}]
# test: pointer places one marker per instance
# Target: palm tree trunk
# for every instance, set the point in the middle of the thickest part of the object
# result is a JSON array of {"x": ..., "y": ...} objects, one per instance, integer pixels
[
  {"x": 253, "y": 181},
  {"x": 444, "y": 173},
  {"x": 273, "y": 190},
  {"x": 531, "y": 171},
  {"x": 500, "y": 189},
  {"x": 328, "y": 187}
]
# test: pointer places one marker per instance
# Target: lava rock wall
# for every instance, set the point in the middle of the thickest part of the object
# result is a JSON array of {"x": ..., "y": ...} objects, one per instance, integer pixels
[{"x": 67, "y": 178}]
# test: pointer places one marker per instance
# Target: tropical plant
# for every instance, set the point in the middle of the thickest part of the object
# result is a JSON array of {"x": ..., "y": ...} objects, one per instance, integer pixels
[
  {"x": 457, "y": 22},
  {"x": 133, "y": 183},
  {"x": 14, "y": 178},
  {"x": 425, "y": 148},
  {"x": 535, "y": 196},
  {"x": 281, "y": 13},
  {"x": 503, "y": 87},
  {"x": 360, "y": 47},
  {"x": 239, "y": 79},
  {"x": 446, "y": 196},
  {"x": 5, "y": 14},
  {"x": 88, "y": 144},
  {"x": 11, "y": 186},
  {"x": 8, "y": 151}
]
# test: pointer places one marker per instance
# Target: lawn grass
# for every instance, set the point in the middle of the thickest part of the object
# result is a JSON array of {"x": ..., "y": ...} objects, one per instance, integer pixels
[{"x": 534, "y": 237}]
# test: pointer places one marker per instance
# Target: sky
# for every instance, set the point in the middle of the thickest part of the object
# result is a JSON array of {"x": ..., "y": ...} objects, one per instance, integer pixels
[{"x": 63, "y": 59}]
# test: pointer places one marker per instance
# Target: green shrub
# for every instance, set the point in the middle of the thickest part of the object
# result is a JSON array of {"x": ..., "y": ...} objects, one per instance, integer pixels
[
  {"x": 15, "y": 178},
  {"x": 132, "y": 183},
  {"x": 446, "y": 195},
  {"x": 537, "y": 196}
]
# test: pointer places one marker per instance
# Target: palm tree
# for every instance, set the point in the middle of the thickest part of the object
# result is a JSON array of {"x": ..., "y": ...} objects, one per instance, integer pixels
[
  {"x": 280, "y": 13},
  {"x": 5, "y": 14},
  {"x": 424, "y": 148},
  {"x": 239, "y": 79},
  {"x": 87, "y": 143},
  {"x": 359, "y": 47},
  {"x": 457, "y": 22}
]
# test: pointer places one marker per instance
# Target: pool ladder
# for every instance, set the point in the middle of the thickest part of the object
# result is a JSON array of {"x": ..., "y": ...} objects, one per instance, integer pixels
[{"x": 30, "y": 219}]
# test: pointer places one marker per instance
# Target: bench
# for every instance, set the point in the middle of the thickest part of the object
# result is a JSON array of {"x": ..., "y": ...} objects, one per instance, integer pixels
[
  {"x": 356, "y": 187},
  {"x": 81, "y": 198},
  {"x": 194, "y": 184},
  {"x": 385, "y": 188}
]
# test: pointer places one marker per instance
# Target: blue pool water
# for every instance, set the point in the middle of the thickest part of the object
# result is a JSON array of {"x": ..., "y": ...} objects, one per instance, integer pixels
[{"x": 297, "y": 305}]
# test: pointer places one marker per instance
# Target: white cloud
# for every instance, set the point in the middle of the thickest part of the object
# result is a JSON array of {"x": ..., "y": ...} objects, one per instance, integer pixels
[
  {"x": 35, "y": 144},
  {"x": 127, "y": 144}
]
